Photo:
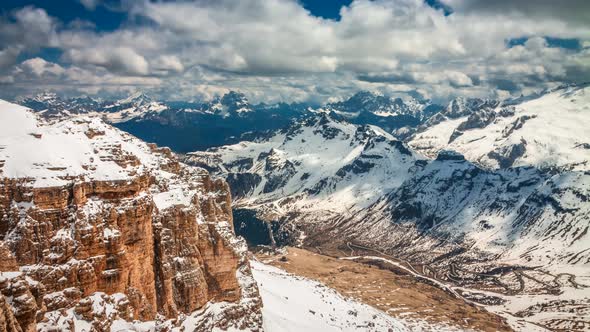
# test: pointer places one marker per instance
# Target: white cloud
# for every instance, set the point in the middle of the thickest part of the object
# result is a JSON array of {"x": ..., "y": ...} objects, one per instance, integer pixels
[
  {"x": 38, "y": 67},
  {"x": 118, "y": 59},
  {"x": 168, "y": 63},
  {"x": 90, "y": 4},
  {"x": 275, "y": 49}
]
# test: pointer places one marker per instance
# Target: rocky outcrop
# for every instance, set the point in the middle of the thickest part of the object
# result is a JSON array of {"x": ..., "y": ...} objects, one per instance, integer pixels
[
  {"x": 25, "y": 298},
  {"x": 8, "y": 322},
  {"x": 144, "y": 247},
  {"x": 111, "y": 237}
]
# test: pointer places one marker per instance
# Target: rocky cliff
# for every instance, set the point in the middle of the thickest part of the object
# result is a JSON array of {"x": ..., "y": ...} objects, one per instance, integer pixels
[{"x": 98, "y": 228}]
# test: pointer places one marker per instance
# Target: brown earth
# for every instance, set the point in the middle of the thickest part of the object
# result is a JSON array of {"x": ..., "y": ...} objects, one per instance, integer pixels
[{"x": 396, "y": 293}]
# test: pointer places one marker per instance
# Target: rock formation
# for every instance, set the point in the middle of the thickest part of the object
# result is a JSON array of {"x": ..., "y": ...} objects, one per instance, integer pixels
[{"x": 97, "y": 221}]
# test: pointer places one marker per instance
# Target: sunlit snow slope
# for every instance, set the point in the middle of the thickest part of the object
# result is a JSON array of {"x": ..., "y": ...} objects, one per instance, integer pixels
[
  {"x": 549, "y": 131},
  {"x": 317, "y": 163}
]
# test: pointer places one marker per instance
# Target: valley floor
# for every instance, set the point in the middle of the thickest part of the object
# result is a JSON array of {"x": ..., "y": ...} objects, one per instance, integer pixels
[
  {"x": 402, "y": 301},
  {"x": 426, "y": 304},
  {"x": 296, "y": 304}
]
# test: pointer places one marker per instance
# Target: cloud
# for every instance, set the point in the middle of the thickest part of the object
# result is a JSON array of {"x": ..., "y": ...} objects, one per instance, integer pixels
[
  {"x": 8, "y": 56},
  {"x": 168, "y": 63},
  {"x": 276, "y": 49},
  {"x": 90, "y": 4},
  {"x": 571, "y": 11},
  {"x": 25, "y": 29},
  {"x": 38, "y": 67},
  {"x": 33, "y": 27},
  {"x": 118, "y": 59},
  {"x": 454, "y": 78}
]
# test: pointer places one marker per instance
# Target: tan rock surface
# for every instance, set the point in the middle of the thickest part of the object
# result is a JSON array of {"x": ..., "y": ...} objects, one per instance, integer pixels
[{"x": 8, "y": 322}]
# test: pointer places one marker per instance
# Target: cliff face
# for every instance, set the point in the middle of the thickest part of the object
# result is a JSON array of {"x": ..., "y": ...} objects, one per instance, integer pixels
[{"x": 94, "y": 218}]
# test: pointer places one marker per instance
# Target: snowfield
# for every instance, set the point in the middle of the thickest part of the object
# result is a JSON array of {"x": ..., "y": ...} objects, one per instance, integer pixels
[
  {"x": 51, "y": 154},
  {"x": 297, "y": 304},
  {"x": 545, "y": 132}
]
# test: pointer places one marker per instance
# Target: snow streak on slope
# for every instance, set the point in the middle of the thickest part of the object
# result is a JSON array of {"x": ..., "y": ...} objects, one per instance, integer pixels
[
  {"x": 316, "y": 164},
  {"x": 545, "y": 132},
  {"x": 297, "y": 304}
]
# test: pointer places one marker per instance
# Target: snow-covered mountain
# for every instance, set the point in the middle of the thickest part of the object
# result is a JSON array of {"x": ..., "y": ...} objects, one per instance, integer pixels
[
  {"x": 136, "y": 106},
  {"x": 549, "y": 131},
  {"x": 183, "y": 126},
  {"x": 100, "y": 231},
  {"x": 228, "y": 119},
  {"x": 486, "y": 195},
  {"x": 517, "y": 215},
  {"x": 389, "y": 113},
  {"x": 316, "y": 163},
  {"x": 52, "y": 106},
  {"x": 379, "y": 105},
  {"x": 231, "y": 104},
  {"x": 329, "y": 167}
]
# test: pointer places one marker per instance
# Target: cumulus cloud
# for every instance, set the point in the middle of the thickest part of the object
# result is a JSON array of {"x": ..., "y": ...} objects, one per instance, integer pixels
[
  {"x": 118, "y": 59},
  {"x": 28, "y": 28},
  {"x": 167, "y": 63},
  {"x": 25, "y": 29},
  {"x": 276, "y": 49},
  {"x": 38, "y": 67}
]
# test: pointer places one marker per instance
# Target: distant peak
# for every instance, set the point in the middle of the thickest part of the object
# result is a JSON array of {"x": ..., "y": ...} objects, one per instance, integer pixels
[
  {"x": 364, "y": 94},
  {"x": 45, "y": 96},
  {"x": 234, "y": 97},
  {"x": 136, "y": 97}
]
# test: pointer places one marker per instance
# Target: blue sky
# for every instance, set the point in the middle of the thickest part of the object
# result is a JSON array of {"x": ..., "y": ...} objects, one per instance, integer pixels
[
  {"x": 70, "y": 10},
  {"x": 287, "y": 50}
]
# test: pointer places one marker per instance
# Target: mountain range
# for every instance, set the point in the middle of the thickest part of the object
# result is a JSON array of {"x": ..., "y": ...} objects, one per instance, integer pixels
[
  {"x": 228, "y": 119},
  {"x": 485, "y": 199},
  {"x": 483, "y": 194}
]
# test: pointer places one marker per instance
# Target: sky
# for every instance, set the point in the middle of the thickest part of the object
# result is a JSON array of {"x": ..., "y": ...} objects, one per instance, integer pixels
[{"x": 292, "y": 51}]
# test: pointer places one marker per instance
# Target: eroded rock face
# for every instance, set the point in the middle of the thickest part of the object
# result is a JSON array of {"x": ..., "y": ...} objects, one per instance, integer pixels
[
  {"x": 58, "y": 240},
  {"x": 8, "y": 322},
  {"x": 91, "y": 239},
  {"x": 131, "y": 235}
]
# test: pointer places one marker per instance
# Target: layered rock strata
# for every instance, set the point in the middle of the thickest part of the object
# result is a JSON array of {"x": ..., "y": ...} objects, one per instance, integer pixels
[{"x": 103, "y": 220}]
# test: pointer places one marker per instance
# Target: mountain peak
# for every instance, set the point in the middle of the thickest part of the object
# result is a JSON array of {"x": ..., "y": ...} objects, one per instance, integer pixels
[
  {"x": 138, "y": 97},
  {"x": 374, "y": 104},
  {"x": 234, "y": 98},
  {"x": 232, "y": 102},
  {"x": 461, "y": 106},
  {"x": 46, "y": 95}
]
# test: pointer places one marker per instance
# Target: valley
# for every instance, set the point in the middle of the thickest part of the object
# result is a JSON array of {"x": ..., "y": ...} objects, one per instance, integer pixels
[
  {"x": 294, "y": 166},
  {"x": 392, "y": 223},
  {"x": 491, "y": 234},
  {"x": 415, "y": 303}
]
